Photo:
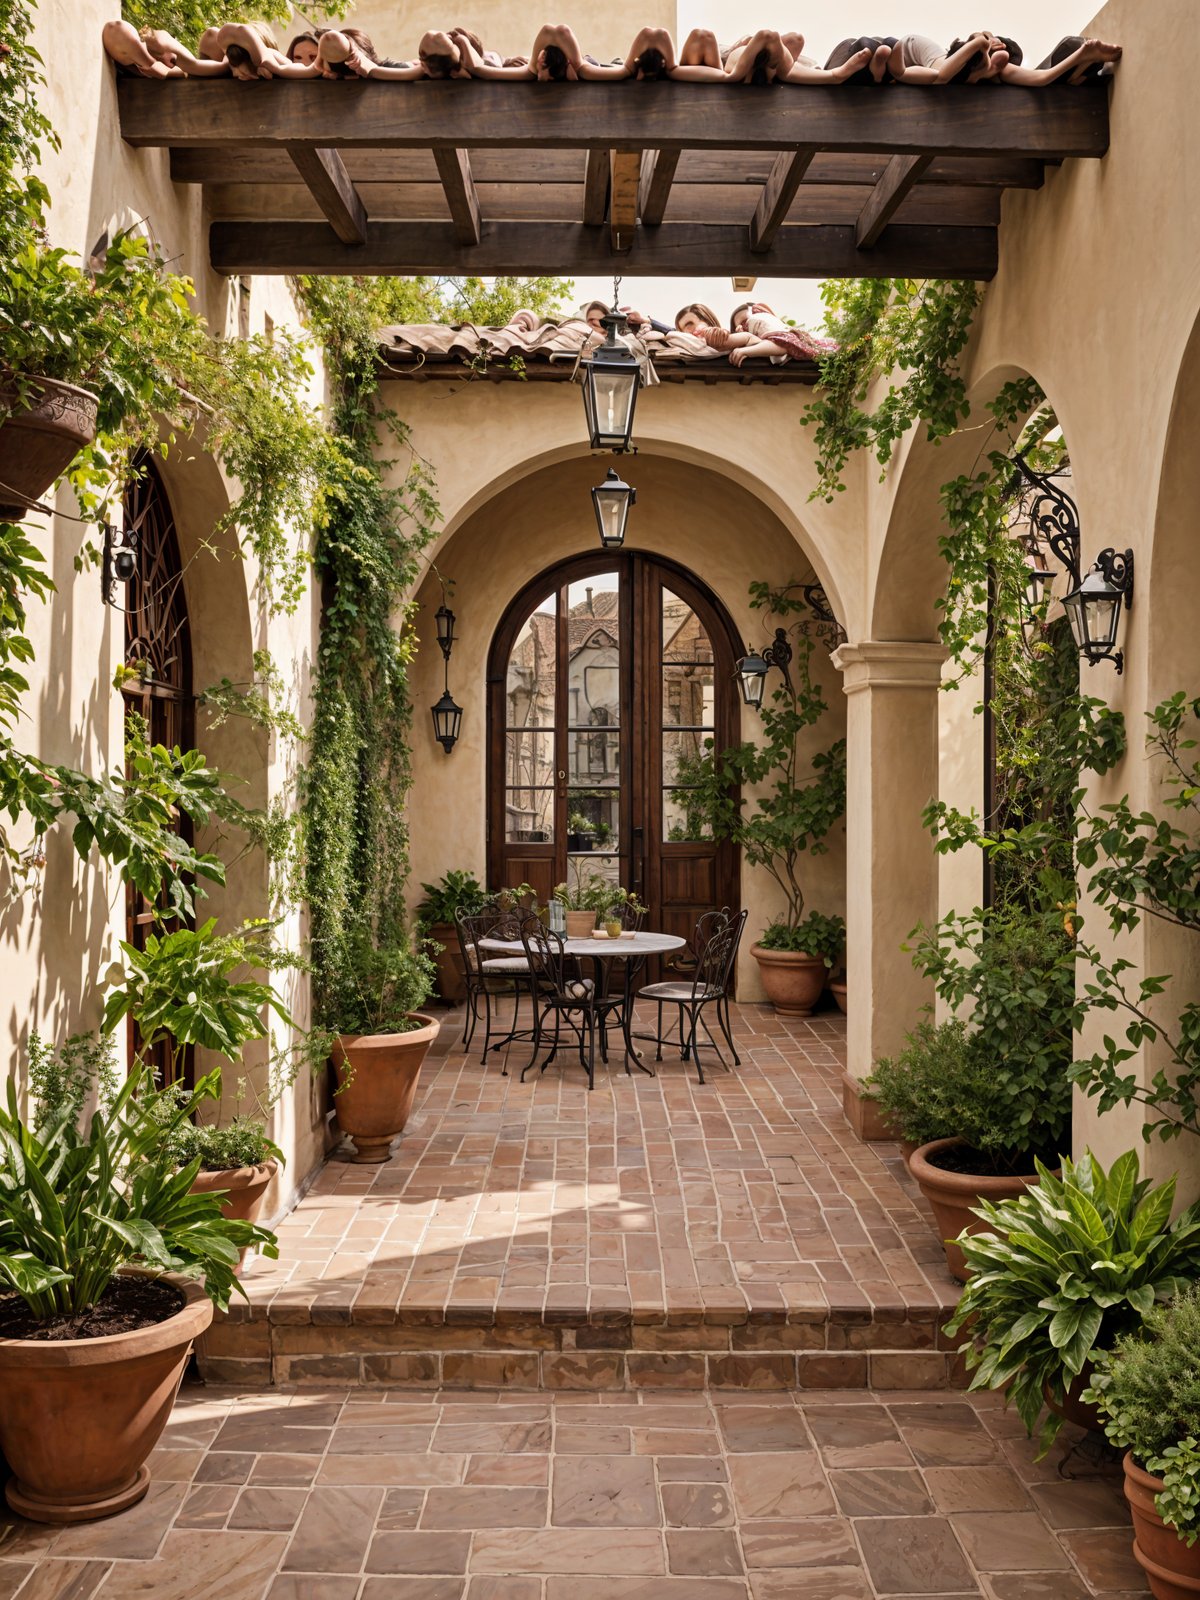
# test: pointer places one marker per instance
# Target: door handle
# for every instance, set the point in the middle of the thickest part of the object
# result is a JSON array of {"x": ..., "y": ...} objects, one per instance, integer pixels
[{"x": 635, "y": 857}]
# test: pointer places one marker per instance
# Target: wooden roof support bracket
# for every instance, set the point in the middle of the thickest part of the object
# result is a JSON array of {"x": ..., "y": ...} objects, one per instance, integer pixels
[
  {"x": 888, "y": 195},
  {"x": 626, "y": 168},
  {"x": 658, "y": 173},
  {"x": 595, "y": 189},
  {"x": 454, "y": 169},
  {"x": 329, "y": 183},
  {"x": 786, "y": 176}
]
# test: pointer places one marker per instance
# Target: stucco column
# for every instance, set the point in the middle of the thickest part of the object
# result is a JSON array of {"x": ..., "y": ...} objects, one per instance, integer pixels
[{"x": 891, "y": 865}]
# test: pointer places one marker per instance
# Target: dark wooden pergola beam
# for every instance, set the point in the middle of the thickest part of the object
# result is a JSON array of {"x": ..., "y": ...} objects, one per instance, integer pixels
[
  {"x": 886, "y": 198},
  {"x": 658, "y": 174},
  {"x": 330, "y": 186},
  {"x": 679, "y": 249},
  {"x": 624, "y": 184},
  {"x": 1050, "y": 123},
  {"x": 595, "y": 188},
  {"x": 454, "y": 169},
  {"x": 779, "y": 191}
]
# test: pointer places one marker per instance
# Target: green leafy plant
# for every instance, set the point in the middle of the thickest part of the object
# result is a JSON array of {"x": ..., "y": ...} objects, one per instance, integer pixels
[
  {"x": 937, "y": 1087},
  {"x": 65, "y": 1082},
  {"x": 385, "y": 984},
  {"x": 242, "y": 1142},
  {"x": 802, "y": 797},
  {"x": 587, "y": 891},
  {"x": 817, "y": 935},
  {"x": 77, "y": 1206},
  {"x": 456, "y": 890},
  {"x": 1062, "y": 1272},
  {"x": 1148, "y": 1390}
]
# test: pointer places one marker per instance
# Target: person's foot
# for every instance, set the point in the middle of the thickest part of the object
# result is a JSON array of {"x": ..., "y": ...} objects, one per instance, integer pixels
[
  {"x": 879, "y": 62},
  {"x": 160, "y": 45},
  {"x": 855, "y": 64},
  {"x": 1096, "y": 50}
]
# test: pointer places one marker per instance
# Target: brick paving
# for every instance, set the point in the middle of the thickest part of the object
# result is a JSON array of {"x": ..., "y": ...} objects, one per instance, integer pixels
[
  {"x": 397, "y": 1494},
  {"x": 653, "y": 1232}
]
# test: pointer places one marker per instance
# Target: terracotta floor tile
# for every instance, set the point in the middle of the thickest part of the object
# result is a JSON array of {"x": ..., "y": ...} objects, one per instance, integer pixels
[
  {"x": 495, "y": 1588},
  {"x": 235, "y": 1566},
  {"x": 1036, "y": 1586},
  {"x": 1082, "y": 1503},
  {"x": 760, "y": 1428},
  {"x": 135, "y": 1535},
  {"x": 856, "y": 1436},
  {"x": 584, "y": 1551},
  {"x": 1104, "y": 1557},
  {"x": 267, "y": 1509},
  {"x": 12, "y": 1575},
  {"x": 334, "y": 1530},
  {"x": 591, "y": 1588},
  {"x": 604, "y": 1491},
  {"x": 945, "y": 1434},
  {"x": 837, "y": 1583},
  {"x": 773, "y": 1486},
  {"x": 976, "y": 1489},
  {"x": 312, "y": 1586},
  {"x": 696, "y": 1505},
  {"x": 62, "y": 1580},
  {"x": 413, "y": 1589},
  {"x": 880, "y": 1492},
  {"x": 802, "y": 1542},
  {"x": 691, "y": 1469},
  {"x": 704, "y": 1553},
  {"x": 477, "y": 1507},
  {"x": 913, "y": 1556},
  {"x": 1009, "y": 1541},
  {"x": 420, "y": 1554}
]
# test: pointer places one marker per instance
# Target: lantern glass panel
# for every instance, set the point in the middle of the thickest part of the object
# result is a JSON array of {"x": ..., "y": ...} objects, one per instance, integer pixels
[
  {"x": 609, "y": 394},
  {"x": 752, "y": 674},
  {"x": 612, "y": 511}
]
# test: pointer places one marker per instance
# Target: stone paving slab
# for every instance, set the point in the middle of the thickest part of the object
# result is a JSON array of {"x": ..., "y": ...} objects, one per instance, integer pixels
[
  {"x": 653, "y": 1232},
  {"x": 349, "y": 1494}
]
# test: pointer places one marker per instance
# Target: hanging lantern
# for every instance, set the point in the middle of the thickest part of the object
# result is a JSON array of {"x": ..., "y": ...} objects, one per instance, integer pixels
[
  {"x": 447, "y": 720},
  {"x": 1094, "y": 607},
  {"x": 445, "y": 619},
  {"x": 611, "y": 501},
  {"x": 610, "y": 386}
]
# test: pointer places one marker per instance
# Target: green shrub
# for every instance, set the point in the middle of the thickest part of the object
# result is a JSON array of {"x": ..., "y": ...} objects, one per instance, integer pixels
[
  {"x": 939, "y": 1087},
  {"x": 242, "y": 1142},
  {"x": 1148, "y": 1390},
  {"x": 1063, "y": 1271},
  {"x": 817, "y": 935},
  {"x": 77, "y": 1206},
  {"x": 455, "y": 891},
  {"x": 382, "y": 987}
]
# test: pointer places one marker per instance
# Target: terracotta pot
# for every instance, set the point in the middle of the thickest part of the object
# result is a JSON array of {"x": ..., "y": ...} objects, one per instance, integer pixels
[
  {"x": 838, "y": 991},
  {"x": 906, "y": 1150},
  {"x": 952, "y": 1194},
  {"x": 794, "y": 982},
  {"x": 451, "y": 975},
  {"x": 37, "y": 443},
  {"x": 1172, "y": 1568},
  {"x": 1072, "y": 1408},
  {"x": 375, "y": 1096},
  {"x": 581, "y": 924},
  {"x": 78, "y": 1417},
  {"x": 245, "y": 1189}
]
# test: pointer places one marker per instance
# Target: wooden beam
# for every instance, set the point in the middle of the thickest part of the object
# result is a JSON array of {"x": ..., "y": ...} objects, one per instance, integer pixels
[
  {"x": 330, "y": 186},
  {"x": 595, "y": 188},
  {"x": 454, "y": 169},
  {"x": 786, "y": 176},
  {"x": 658, "y": 173},
  {"x": 679, "y": 249},
  {"x": 624, "y": 182},
  {"x": 888, "y": 195},
  {"x": 749, "y": 167},
  {"x": 560, "y": 202},
  {"x": 221, "y": 113}
]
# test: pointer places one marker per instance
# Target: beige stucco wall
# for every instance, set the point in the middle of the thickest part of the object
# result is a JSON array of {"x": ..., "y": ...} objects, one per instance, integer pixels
[
  {"x": 396, "y": 26},
  {"x": 56, "y": 941}
]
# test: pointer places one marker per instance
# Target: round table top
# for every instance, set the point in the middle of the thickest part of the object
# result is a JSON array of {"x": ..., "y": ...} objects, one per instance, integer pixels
[{"x": 641, "y": 944}]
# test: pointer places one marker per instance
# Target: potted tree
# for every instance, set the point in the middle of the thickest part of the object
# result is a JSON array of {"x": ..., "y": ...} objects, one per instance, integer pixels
[
  {"x": 1059, "y": 1274},
  {"x": 799, "y": 799},
  {"x": 114, "y": 1264},
  {"x": 455, "y": 891},
  {"x": 1148, "y": 1391},
  {"x": 379, "y": 1040}
]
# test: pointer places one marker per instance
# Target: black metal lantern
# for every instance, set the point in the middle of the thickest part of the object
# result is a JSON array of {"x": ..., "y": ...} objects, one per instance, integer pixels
[
  {"x": 752, "y": 669},
  {"x": 610, "y": 386},
  {"x": 1094, "y": 607},
  {"x": 611, "y": 501},
  {"x": 444, "y": 618},
  {"x": 447, "y": 720},
  {"x": 119, "y": 560},
  {"x": 1038, "y": 580}
]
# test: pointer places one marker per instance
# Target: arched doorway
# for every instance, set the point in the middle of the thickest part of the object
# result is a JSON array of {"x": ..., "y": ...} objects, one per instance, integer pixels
[
  {"x": 158, "y": 647},
  {"x": 608, "y": 675}
]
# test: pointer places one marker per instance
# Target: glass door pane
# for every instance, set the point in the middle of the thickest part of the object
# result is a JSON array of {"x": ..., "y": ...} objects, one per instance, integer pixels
[
  {"x": 688, "y": 718},
  {"x": 594, "y": 677}
]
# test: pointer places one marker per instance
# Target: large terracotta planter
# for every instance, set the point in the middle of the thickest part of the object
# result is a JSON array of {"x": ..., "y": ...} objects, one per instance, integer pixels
[
  {"x": 451, "y": 974},
  {"x": 952, "y": 1194},
  {"x": 78, "y": 1417},
  {"x": 244, "y": 1188},
  {"x": 838, "y": 991},
  {"x": 375, "y": 1093},
  {"x": 793, "y": 982},
  {"x": 38, "y": 442},
  {"x": 1172, "y": 1568}
]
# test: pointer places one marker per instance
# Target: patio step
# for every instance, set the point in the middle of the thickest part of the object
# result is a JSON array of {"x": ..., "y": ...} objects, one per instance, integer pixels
[{"x": 561, "y": 1348}]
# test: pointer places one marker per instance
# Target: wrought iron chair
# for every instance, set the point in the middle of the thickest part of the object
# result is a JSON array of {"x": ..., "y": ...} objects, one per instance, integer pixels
[
  {"x": 717, "y": 939},
  {"x": 489, "y": 974},
  {"x": 557, "y": 990}
]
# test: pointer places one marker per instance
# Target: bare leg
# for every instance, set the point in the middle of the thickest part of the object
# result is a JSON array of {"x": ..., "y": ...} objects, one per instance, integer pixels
[
  {"x": 700, "y": 49},
  {"x": 123, "y": 46}
]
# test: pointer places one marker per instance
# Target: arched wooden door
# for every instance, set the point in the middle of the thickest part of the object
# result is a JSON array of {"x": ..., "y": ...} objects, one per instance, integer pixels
[
  {"x": 158, "y": 645},
  {"x": 607, "y": 676}
]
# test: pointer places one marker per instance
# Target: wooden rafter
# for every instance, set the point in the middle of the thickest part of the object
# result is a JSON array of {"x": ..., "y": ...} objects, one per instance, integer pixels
[
  {"x": 888, "y": 195},
  {"x": 329, "y": 184},
  {"x": 454, "y": 169},
  {"x": 775, "y": 202},
  {"x": 626, "y": 174},
  {"x": 658, "y": 174},
  {"x": 595, "y": 188}
]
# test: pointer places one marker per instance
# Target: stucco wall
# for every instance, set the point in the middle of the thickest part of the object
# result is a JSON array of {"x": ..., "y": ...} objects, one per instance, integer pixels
[{"x": 505, "y": 25}]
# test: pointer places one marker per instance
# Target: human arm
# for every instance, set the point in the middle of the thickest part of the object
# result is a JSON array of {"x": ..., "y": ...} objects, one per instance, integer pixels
[
  {"x": 476, "y": 67},
  {"x": 947, "y": 68},
  {"x": 698, "y": 74},
  {"x": 336, "y": 49},
  {"x": 1089, "y": 52},
  {"x": 801, "y": 72},
  {"x": 752, "y": 347}
]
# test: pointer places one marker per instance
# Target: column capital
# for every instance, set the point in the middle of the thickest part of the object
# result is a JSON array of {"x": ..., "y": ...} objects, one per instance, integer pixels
[{"x": 889, "y": 664}]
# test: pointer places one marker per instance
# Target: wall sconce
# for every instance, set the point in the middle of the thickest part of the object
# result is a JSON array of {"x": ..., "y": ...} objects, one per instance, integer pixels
[
  {"x": 752, "y": 669},
  {"x": 119, "y": 561},
  {"x": 447, "y": 715},
  {"x": 1095, "y": 599}
]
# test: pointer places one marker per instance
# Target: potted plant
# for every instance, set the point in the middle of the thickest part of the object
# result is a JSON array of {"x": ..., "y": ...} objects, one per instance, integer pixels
[
  {"x": 579, "y": 831},
  {"x": 799, "y": 799},
  {"x": 837, "y": 988},
  {"x": 1059, "y": 1274},
  {"x": 181, "y": 990},
  {"x": 1009, "y": 975},
  {"x": 455, "y": 891},
  {"x": 926, "y": 1090},
  {"x": 584, "y": 900},
  {"x": 1148, "y": 1391},
  {"x": 613, "y": 917},
  {"x": 380, "y": 1038},
  {"x": 114, "y": 1264}
]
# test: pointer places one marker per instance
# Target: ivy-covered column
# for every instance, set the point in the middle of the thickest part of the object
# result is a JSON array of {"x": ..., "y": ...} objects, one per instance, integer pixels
[{"x": 891, "y": 865}]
